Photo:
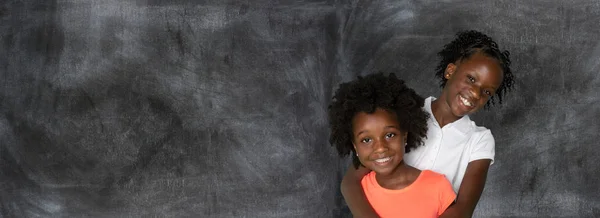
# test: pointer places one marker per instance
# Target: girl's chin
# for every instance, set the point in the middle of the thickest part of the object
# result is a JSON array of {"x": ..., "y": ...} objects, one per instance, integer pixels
[{"x": 458, "y": 112}]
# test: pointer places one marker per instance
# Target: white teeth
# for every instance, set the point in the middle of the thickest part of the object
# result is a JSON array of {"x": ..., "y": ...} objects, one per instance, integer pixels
[
  {"x": 465, "y": 101},
  {"x": 383, "y": 160}
]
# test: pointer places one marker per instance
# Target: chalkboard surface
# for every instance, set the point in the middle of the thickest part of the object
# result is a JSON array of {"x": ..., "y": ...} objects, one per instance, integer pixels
[{"x": 218, "y": 108}]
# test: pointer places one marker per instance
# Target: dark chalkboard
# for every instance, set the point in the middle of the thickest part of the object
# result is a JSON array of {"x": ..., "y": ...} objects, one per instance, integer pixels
[{"x": 218, "y": 108}]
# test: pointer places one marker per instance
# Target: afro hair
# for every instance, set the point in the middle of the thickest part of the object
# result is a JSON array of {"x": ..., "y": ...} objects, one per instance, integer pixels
[{"x": 366, "y": 94}]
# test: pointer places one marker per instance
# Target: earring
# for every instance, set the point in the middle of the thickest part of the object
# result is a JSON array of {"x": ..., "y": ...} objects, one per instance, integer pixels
[{"x": 357, "y": 154}]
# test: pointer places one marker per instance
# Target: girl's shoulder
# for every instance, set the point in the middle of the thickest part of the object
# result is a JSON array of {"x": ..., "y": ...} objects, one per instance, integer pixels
[
  {"x": 431, "y": 177},
  {"x": 434, "y": 179}
]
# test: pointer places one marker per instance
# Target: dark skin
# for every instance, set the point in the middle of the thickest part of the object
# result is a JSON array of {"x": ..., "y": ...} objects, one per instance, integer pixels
[
  {"x": 471, "y": 82},
  {"x": 377, "y": 136}
]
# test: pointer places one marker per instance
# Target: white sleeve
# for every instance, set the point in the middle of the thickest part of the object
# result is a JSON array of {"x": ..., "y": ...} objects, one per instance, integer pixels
[{"x": 484, "y": 148}]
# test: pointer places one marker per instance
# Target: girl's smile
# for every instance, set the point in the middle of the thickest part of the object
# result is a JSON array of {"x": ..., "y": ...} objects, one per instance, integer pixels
[
  {"x": 378, "y": 140},
  {"x": 471, "y": 82},
  {"x": 465, "y": 102}
]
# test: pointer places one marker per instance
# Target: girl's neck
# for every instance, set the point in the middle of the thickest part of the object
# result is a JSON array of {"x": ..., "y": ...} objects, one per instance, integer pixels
[
  {"x": 442, "y": 112},
  {"x": 400, "y": 178}
]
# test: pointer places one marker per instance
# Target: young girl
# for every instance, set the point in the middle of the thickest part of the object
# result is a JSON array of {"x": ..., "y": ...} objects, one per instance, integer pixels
[
  {"x": 473, "y": 72},
  {"x": 377, "y": 119}
]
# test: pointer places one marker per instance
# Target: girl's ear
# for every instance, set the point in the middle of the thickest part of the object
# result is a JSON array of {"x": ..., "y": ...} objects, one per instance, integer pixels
[{"x": 450, "y": 69}]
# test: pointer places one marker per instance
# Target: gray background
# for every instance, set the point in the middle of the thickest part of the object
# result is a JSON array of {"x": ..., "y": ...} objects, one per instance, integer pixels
[{"x": 218, "y": 108}]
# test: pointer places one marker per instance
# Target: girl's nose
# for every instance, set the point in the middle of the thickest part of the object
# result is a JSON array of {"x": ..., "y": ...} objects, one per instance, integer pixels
[
  {"x": 380, "y": 146},
  {"x": 475, "y": 92}
]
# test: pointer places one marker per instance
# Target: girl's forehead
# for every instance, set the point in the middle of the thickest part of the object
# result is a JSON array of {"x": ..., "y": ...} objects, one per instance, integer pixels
[
  {"x": 481, "y": 60},
  {"x": 480, "y": 56},
  {"x": 484, "y": 67}
]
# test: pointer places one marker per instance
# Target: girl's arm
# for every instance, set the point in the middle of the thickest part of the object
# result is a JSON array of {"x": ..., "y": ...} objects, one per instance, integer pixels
[
  {"x": 470, "y": 190},
  {"x": 354, "y": 195}
]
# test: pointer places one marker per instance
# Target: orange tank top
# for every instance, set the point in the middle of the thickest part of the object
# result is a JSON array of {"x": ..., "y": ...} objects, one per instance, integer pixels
[{"x": 428, "y": 196}]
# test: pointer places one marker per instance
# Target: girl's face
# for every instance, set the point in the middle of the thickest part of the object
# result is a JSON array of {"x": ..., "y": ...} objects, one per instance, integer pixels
[
  {"x": 471, "y": 83},
  {"x": 378, "y": 140}
]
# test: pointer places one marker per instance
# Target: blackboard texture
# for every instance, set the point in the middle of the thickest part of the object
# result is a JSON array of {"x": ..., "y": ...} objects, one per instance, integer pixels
[{"x": 218, "y": 108}]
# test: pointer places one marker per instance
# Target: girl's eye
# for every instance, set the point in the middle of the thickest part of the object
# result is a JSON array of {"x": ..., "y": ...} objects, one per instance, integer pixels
[
  {"x": 488, "y": 93},
  {"x": 471, "y": 79},
  {"x": 390, "y": 135},
  {"x": 366, "y": 140}
]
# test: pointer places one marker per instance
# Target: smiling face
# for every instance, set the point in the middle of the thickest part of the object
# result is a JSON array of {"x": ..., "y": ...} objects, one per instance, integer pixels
[
  {"x": 378, "y": 141},
  {"x": 471, "y": 83}
]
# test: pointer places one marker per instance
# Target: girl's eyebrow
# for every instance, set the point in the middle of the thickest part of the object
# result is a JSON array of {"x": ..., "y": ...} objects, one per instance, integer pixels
[
  {"x": 387, "y": 127},
  {"x": 393, "y": 127},
  {"x": 477, "y": 79},
  {"x": 494, "y": 88},
  {"x": 361, "y": 132}
]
